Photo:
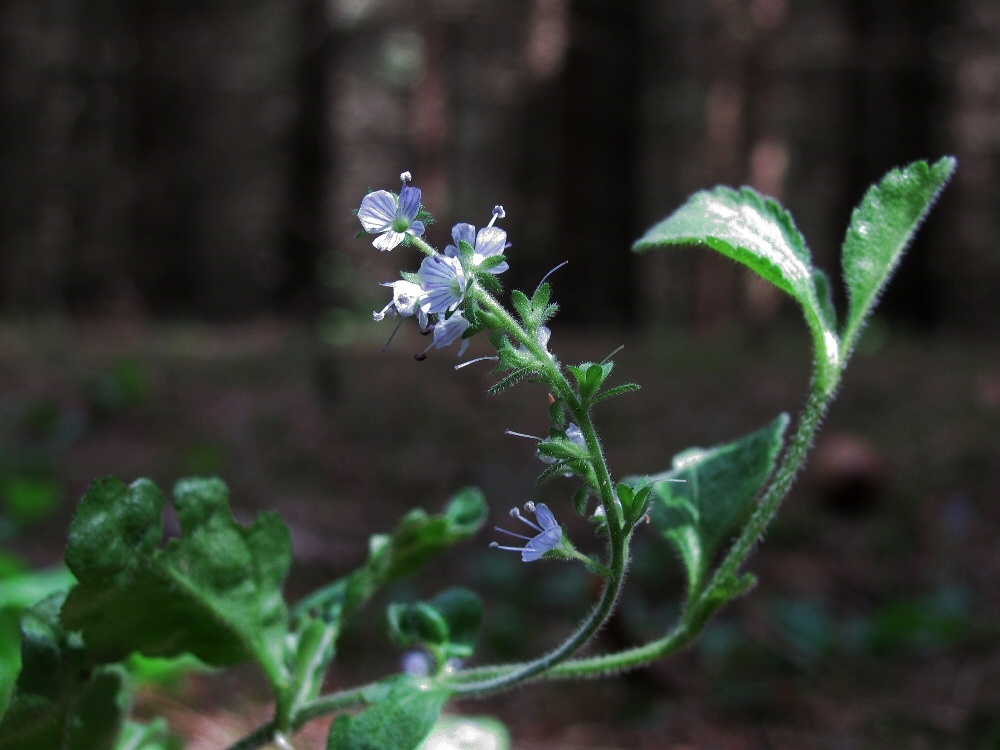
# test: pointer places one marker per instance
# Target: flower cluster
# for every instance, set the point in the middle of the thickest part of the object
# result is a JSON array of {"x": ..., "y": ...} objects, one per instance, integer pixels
[{"x": 436, "y": 293}]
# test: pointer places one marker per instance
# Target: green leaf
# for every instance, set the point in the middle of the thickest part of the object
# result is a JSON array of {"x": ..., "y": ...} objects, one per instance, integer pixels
[
  {"x": 718, "y": 492},
  {"x": 618, "y": 390},
  {"x": 403, "y": 713},
  {"x": 447, "y": 625},
  {"x": 62, "y": 701},
  {"x": 215, "y": 592},
  {"x": 881, "y": 229},
  {"x": 760, "y": 234},
  {"x": 590, "y": 377}
]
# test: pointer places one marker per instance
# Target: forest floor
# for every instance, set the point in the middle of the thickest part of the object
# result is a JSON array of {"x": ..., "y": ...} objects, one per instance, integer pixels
[{"x": 876, "y": 621}]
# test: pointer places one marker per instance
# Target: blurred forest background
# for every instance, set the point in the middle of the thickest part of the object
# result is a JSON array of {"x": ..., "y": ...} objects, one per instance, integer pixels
[
  {"x": 176, "y": 225},
  {"x": 200, "y": 159}
]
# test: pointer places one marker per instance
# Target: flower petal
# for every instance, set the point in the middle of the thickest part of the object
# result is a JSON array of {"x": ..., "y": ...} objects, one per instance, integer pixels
[
  {"x": 377, "y": 211},
  {"x": 547, "y": 540},
  {"x": 409, "y": 202},
  {"x": 545, "y": 517},
  {"x": 464, "y": 233},
  {"x": 388, "y": 241},
  {"x": 490, "y": 241}
]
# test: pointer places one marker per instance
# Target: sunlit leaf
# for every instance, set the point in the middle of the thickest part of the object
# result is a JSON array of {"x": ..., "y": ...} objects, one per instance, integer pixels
[
  {"x": 760, "y": 234},
  {"x": 881, "y": 229}
]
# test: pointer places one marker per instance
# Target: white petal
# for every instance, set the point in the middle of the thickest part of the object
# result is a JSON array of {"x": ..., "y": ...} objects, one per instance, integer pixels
[
  {"x": 377, "y": 211},
  {"x": 388, "y": 241},
  {"x": 545, "y": 517},
  {"x": 490, "y": 241}
]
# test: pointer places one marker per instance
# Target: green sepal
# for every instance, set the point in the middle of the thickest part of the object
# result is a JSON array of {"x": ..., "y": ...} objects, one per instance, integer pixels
[
  {"x": 577, "y": 468},
  {"x": 214, "y": 592},
  {"x": 562, "y": 448},
  {"x": 490, "y": 263},
  {"x": 447, "y": 625},
  {"x": 881, "y": 229},
  {"x": 618, "y": 390},
  {"x": 490, "y": 283},
  {"x": 402, "y": 712},
  {"x": 63, "y": 699},
  {"x": 590, "y": 377},
  {"x": 581, "y": 498},
  {"x": 510, "y": 379},
  {"x": 522, "y": 305},
  {"x": 557, "y": 413},
  {"x": 635, "y": 501},
  {"x": 540, "y": 299},
  {"x": 411, "y": 276},
  {"x": 466, "y": 251},
  {"x": 717, "y": 495}
]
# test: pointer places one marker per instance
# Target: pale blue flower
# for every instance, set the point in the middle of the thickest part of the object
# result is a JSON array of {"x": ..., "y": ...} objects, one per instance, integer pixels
[
  {"x": 447, "y": 332},
  {"x": 489, "y": 241},
  {"x": 416, "y": 663},
  {"x": 390, "y": 216},
  {"x": 549, "y": 534},
  {"x": 408, "y": 298},
  {"x": 443, "y": 282}
]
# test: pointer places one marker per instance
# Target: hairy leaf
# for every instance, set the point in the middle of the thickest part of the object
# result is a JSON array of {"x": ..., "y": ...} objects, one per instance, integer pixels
[
  {"x": 881, "y": 229},
  {"x": 718, "y": 492},
  {"x": 404, "y": 710},
  {"x": 214, "y": 592},
  {"x": 760, "y": 234},
  {"x": 62, "y": 701}
]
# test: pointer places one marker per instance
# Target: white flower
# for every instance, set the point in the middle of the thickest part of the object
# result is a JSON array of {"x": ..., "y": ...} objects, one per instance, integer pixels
[
  {"x": 443, "y": 282},
  {"x": 390, "y": 216},
  {"x": 407, "y": 299},
  {"x": 489, "y": 241},
  {"x": 549, "y": 534}
]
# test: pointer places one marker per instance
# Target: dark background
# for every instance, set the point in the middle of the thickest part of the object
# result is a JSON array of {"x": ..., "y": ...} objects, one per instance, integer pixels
[
  {"x": 181, "y": 293},
  {"x": 201, "y": 159}
]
